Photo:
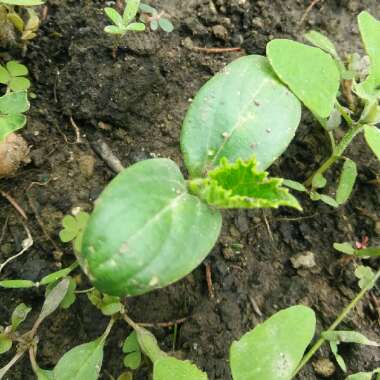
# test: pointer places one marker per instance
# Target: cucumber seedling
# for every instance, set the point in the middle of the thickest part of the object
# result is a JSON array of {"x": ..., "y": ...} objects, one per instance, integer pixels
[{"x": 315, "y": 74}]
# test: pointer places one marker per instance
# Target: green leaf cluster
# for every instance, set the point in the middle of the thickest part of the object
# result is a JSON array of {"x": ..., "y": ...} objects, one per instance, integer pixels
[
  {"x": 156, "y": 20},
  {"x": 13, "y": 76}
]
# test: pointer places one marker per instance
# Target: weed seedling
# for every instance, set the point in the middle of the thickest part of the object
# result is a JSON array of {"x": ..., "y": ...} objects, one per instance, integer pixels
[
  {"x": 155, "y": 19},
  {"x": 13, "y": 76}
]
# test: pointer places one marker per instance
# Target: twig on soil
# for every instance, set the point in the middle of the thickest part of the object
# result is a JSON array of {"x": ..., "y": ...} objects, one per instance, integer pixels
[
  {"x": 12, "y": 201},
  {"x": 256, "y": 308},
  {"x": 210, "y": 286},
  {"x": 164, "y": 324},
  {"x": 42, "y": 226},
  {"x": 26, "y": 244},
  {"x": 77, "y": 131},
  {"x": 308, "y": 10},
  {"x": 268, "y": 227},
  {"x": 4, "y": 229},
  {"x": 216, "y": 50},
  {"x": 105, "y": 153}
]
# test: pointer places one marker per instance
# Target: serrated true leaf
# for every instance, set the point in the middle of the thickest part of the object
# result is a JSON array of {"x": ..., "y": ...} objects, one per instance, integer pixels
[
  {"x": 147, "y": 231},
  {"x": 370, "y": 32},
  {"x": 347, "y": 181},
  {"x": 372, "y": 136},
  {"x": 19, "y": 315},
  {"x": 170, "y": 368},
  {"x": 241, "y": 112},
  {"x": 309, "y": 72},
  {"x": 240, "y": 185},
  {"x": 81, "y": 362},
  {"x": 274, "y": 348}
]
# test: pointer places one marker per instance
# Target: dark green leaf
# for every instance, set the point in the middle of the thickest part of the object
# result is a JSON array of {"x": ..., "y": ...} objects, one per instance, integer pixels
[
  {"x": 274, "y": 348},
  {"x": 368, "y": 252},
  {"x": 241, "y": 112},
  {"x": 310, "y": 73},
  {"x": 240, "y": 185}
]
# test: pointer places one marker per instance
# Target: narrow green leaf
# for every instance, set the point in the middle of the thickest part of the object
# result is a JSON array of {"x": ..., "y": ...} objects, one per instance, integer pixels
[
  {"x": 114, "y": 16},
  {"x": 372, "y": 136},
  {"x": 370, "y": 31},
  {"x": 363, "y": 375},
  {"x": 25, "y": 3},
  {"x": 347, "y": 181},
  {"x": 16, "y": 69},
  {"x": 55, "y": 276},
  {"x": 321, "y": 41},
  {"x": 329, "y": 200},
  {"x": 274, "y": 348},
  {"x": 136, "y": 27},
  {"x": 294, "y": 185},
  {"x": 5, "y": 344},
  {"x": 166, "y": 25},
  {"x": 145, "y": 8},
  {"x": 70, "y": 296},
  {"x": 309, "y": 72},
  {"x": 81, "y": 362},
  {"x": 241, "y": 112},
  {"x": 170, "y": 368},
  {"x": 131, "y": 9},
  {"x": 344, "y": 248},
  {"x": 339, "y": 359},
  {"x": 19, "y": 315},
  {"x": 16, "y": 284},
  {"x": 368, "y": 252},
  {"x": 240, "y": 185},
  {"x": 348, "y": 337}
]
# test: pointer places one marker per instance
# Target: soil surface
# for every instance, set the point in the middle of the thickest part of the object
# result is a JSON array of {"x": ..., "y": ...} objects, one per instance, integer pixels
[{"x": 136, "y": 104}]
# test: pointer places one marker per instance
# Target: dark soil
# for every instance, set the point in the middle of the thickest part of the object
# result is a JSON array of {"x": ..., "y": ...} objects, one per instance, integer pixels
[{"x": 136, "y": 104}]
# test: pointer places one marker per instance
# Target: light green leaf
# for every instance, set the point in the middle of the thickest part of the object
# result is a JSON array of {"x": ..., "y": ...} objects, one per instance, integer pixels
[
  {"x": 166, "y": 25},
  {"x": 19, "y": 84},
  {"x": 294, "y": 185},
  {"x": 370, "y": 31},
  {"x": 131, "y": 9},
  {"x": 309, "y": 72},
  {"x": 145, "y": 8},
  {"x": 368, "y": 252},
  {"x": 148, "y": 344},
  {"x": 372, "y": 136},
  {"x": 321, "y": 41},
  {"x": 344, "y": 248},
  {"x": 131, "y": 343},
  {"x": 81, "y": 362},
  {"x": 114, "y": 16},
  {"x": 5, "y": 344},
  {"x": 74, "y": 227},
  {"x": 170, "y": 368},
  {"x": 70, "y": 296},
  {"x": 329, "y": 200},
  {"x": 274, "y": 348},
  {"x": 16, "y": 69},
  {"x": 348, "y": 337},
  {"x": 16, "y": 284},
  {"x": 111, "y": 308},
  {"x": 43, "y": 374},
  {"x": 347, "y": 181},
  {"x": 147, "y": 213},
  {"x": 363, "y": 375},
  {"x": 241, "y": 112},
  {"x": 55, "y": 276},
  {"x": 10, "y": 124},
  {"x": 132, "y": 360},
  {"x": 319, "y": 181},
  {"x": 240, "y": 185},
  {"x": 154, "y": 25},
  {"x": 25, "y": 3},
  {"x": 114, "y": 29},
  {"x": 339, "y": 359},
  {"x": 19, "y": 315},
  {"x": 14, "y": 103},
  {"x": 136, "y": 27},
  {"x": 366, "y": 276},
  {"x": 4, "y": 75}
]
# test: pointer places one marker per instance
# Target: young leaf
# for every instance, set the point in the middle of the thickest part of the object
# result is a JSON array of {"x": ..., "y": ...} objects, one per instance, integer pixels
[
  {"x": 319, "y": 181},
  {"x": 347, "y": 181},
  {"x": 132, "y": 360},
  {"x": 241, "y": 112},
  {"x": 368, "y": 252},
  {"x": 363, "y": 375},
  {"x": 366, "y": 276},
  {"x": 339, "y": 358},
  {"x": 274, "y": 349},
  {"x": 309, "y": 72},
  {"x": 321, "y": 41},
  {"x": 154, "y": 25},
  {"x": 114, "y": 16},
  {"x": 73, "y": 230},
  {"x": 240, "y": 185},
  {"x": 19, "y": 315},
  {"x": 145, "y": 8},
  {"x": 112, "y": 29},
  {"x": 70, "y": 296},
  {"x": 131, "y": 9},
  {"x": 148, "y": 344},
  {"x": 147, "y": 213},
  {"x": 16, "y": 69},
  {"x": 12, "y": 106},
  {"x": 370, "y": 31},
  {"x": 5, "y": 77},
  {"x": 81, "y": 362},
  {"x": 5, "y": 344},
  {"x": 131, "y": 347},
  {"x": 166, "y": 25},
  {"x": 136, "y": 27},
  {"x": 372, "y": 136},
  {"x": 55, "y": 276},
  {"x": 169, "y": 368},
  {"x": 16, "y": 284},
  {"x": 329, "y": 200},
  {"x": 348, "y": 337},
  {"x": 294, "y": 185},
  {"x": 344, "y": 248}
]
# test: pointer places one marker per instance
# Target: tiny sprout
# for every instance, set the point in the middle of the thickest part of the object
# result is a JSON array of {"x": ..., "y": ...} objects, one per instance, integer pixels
[
  {"x": 155, "y": 19},
  {"x": 73, "y": 229},
  {"x": 124, "y": 23}
]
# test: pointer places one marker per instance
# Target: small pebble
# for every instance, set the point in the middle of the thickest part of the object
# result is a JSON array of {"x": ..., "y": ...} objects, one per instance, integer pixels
[{"x": 303, "y": 260}]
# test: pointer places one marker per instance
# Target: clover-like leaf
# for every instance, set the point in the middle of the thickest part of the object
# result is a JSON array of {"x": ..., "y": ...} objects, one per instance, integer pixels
[
  {"x": 241, "y": 185},
  {"x": 366, "y": 276},
  {"x": 12, "y": 107},
  {"x": 131, "y": 347},
  {"x": 73, "y": 229},
  {"x": 107, "y": 304}
]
